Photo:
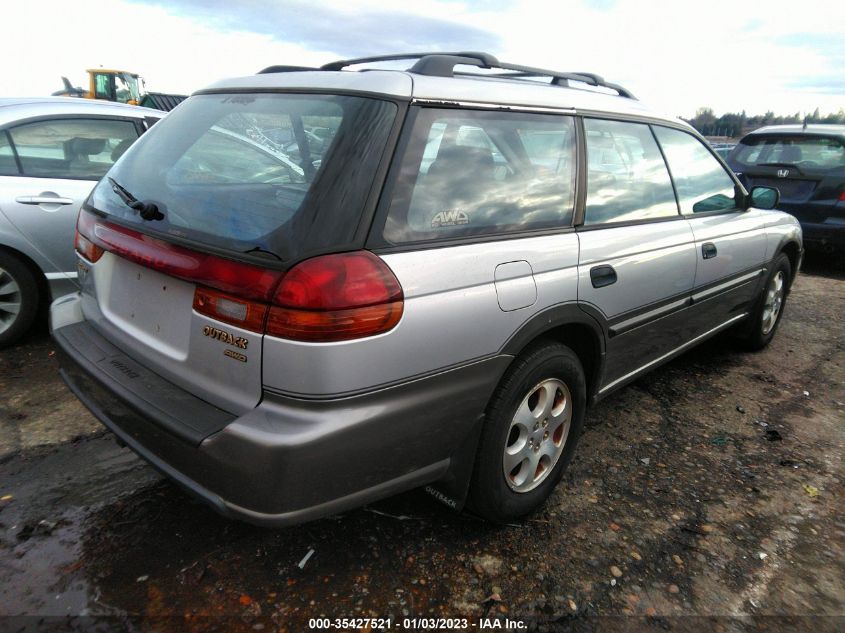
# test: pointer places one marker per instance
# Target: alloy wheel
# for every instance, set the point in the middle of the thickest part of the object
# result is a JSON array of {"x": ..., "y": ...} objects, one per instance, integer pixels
[
  {"x": 10, "y": 300},
  {"x": 773, "y": 302},
  {"x": 537, "y": 435}
]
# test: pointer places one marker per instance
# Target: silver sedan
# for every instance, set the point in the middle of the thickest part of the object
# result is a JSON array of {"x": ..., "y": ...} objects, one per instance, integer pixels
[{"x": 52, "y": 152}]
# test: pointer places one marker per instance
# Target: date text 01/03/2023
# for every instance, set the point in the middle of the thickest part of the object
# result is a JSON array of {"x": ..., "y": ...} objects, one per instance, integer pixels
[{"x": 423, "y": 624}]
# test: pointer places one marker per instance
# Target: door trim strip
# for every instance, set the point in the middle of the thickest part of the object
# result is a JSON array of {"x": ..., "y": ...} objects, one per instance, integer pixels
[{"x": 671, "y": 353}]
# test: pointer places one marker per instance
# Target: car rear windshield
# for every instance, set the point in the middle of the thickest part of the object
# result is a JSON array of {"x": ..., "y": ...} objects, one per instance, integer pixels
[
  {"x": 806, "y": 152},
  {"x": 283, "y": 174}
]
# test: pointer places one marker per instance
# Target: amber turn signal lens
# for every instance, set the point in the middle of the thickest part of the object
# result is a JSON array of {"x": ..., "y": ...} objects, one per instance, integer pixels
[{"x": 333, "y": 325}]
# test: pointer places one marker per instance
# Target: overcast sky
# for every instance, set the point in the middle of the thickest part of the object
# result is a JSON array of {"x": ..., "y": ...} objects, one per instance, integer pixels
[{"x": 725, "y": 54}]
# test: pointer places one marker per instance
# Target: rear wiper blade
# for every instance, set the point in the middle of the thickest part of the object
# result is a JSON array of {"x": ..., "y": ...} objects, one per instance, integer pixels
[
  {"x": 147, "y": 210},
  {"x": 258, "y": 250}
]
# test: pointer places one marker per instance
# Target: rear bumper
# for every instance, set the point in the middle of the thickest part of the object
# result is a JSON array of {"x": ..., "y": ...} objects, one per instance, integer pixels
[
  {"x": 828, "y": 236},
  {"x": 286, "y": 461}
]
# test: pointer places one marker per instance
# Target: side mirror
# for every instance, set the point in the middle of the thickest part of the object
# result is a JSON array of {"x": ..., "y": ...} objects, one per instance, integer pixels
[{"x": 764, "y": 198}]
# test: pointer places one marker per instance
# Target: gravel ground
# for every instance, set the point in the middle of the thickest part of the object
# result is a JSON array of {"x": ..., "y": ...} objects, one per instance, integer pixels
[{"x": 709, "y": 495}]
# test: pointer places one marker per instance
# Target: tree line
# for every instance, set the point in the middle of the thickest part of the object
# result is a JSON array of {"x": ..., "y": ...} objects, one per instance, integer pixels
[{"x": 736, "y": 124}]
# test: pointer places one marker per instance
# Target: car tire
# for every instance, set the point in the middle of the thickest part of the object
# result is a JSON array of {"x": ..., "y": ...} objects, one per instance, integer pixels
[
  {"x": 19, "y": 298},
  {"x": 768, "y": 309},
  {"x": 530, "y": 432}
]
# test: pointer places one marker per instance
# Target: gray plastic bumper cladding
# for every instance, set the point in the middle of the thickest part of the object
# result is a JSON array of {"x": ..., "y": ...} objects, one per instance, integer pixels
[{"x": 288, "y": 460}]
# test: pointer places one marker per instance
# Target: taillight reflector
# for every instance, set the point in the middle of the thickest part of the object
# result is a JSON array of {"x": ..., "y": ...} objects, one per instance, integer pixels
[
  {"x": 842, "y": 196},
  {"x": 87, "y": 248},
  {"x": 249, "y": 315}
]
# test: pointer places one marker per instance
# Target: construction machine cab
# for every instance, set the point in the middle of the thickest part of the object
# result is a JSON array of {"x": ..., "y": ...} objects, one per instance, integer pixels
[{"x": 114, "y": 85}]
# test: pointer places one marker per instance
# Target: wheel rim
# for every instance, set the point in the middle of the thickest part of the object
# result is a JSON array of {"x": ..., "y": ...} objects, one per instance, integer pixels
[
  {"x": 773, "y": 302},
  {"x": 10, "y": 300},
  {"x": 537, "y": 435}
]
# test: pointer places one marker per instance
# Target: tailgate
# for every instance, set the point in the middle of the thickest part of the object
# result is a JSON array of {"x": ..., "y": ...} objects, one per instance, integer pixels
[{"x": 149, "y": 316}]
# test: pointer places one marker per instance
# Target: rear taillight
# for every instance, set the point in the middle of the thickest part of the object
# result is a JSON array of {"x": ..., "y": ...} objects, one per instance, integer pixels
[
  {"x": 328, "y": 298},
  {"x": 336, "y": 298},
  {"x": 842, "y": 196},
  {"x": 84, "y": 246}
]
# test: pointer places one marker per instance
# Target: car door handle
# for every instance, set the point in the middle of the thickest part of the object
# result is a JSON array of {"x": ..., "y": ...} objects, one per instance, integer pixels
[
  {"x": 708, "y": 250},
  {"x": 602, "y": 276},
  {"x": 42, "y": 200}
]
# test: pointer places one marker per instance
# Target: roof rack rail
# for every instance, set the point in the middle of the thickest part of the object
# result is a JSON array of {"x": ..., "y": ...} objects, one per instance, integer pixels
[
  {"x": 519, "y": 71},
  {"x": 483, "y": 60},
  {"x": 285, "y": 69},
  {"x": 439, "y": 64},
  {"x": 559, "y": 79}
]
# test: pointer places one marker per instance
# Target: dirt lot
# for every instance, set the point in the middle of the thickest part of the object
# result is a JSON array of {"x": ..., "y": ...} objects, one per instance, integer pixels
[{"x": 709, "y": 495}]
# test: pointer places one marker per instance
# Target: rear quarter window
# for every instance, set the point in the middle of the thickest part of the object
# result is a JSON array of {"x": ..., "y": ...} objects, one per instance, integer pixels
[
  {"x": 468, "y": 173},
  {"x": 627, "y": 180}
]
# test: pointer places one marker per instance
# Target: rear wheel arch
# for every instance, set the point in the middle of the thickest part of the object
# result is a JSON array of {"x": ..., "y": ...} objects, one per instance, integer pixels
[
  {"x": 793, "y": 252},
  {"x": 570, "y": 326},
  {"x": 35, "y": 269},
  {"x": 22, "y": 296}
]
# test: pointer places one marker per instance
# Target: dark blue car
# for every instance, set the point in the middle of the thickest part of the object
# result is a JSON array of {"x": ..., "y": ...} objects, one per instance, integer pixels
[{"x": 807, "y": 165}]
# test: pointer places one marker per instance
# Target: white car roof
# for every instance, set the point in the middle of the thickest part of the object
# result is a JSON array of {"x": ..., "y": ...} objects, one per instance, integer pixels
[{"x": 14, "y": 109}]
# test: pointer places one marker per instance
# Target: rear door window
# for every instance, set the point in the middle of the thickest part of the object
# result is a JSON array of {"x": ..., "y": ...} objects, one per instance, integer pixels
[
  {"x": 71, "y": 148},
  {"x": 627, "y": 178},
  {"x": 702, "y": 182},
  {"x": 474, "y": 173}
]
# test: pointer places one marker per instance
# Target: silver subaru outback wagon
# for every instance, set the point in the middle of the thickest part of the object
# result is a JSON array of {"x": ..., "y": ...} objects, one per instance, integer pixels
[{"x": 308, "y": 289}]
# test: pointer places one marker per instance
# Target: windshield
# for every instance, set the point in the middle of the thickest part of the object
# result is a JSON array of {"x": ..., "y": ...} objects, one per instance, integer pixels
[
  {"x": 126, "y": 88},
  {"x": 277, "y": 173},
  {"x": 806, "y": 152}
]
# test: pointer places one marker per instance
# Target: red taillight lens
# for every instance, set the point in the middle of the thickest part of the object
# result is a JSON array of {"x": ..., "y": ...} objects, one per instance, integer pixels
[
  {"x": 336, "y": 298},
  {"x": 328, "y": 298},
  {"x": 842, "y": 196},
  {"x": 333, "y": 282},
  {"x": 242, "y": 280}
]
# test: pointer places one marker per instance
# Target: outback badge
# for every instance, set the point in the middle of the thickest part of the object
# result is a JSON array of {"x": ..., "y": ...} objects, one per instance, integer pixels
[{"x": 225, "y": 337}]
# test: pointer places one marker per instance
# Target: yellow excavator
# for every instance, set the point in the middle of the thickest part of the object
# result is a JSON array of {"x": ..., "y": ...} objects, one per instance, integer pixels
[{"x": 121, "y": 86}]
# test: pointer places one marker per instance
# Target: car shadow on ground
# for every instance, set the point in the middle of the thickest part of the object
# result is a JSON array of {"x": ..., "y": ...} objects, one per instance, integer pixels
[{"x": 824, "y": 265}]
